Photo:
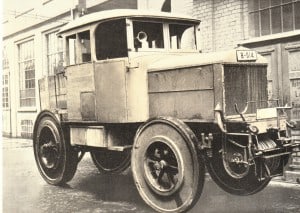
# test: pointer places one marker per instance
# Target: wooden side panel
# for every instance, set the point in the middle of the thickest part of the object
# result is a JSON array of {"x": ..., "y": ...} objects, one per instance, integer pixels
[
  {"x": 182, "y": 93},
  {"x": 110, "y": 85},
  {"x": 61, "y": 91},
  {"x": 218, "y": 84},
  {"x": 137, "y": 94},
  {"x": 80, "y": 79},
  {"x": 88, "y": 106},
  {"x": 183, "y": 105},
  {"x": 88, "y": 136},
  {"x": 53, "y": 92},
  {"x": 52, "y": 89},
  {"x": 44, "y": 94},
  {"x": 181, "y": 79}
]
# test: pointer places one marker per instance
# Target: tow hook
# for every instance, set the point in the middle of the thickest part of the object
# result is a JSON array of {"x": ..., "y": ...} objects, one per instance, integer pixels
[{"x": 206, "y": 142}]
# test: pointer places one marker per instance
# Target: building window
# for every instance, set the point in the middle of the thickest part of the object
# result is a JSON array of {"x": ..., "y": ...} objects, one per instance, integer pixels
[
  {"x": 26, "y": 128},
  {"x": 5, "y": 63},
  {"x": 54, "y": 53},
  {"x": 5, "y": 79},
  {"x": 5, "y": 103},
  {"x": 27, "y": 74},
  {"x": 273, "y": 16}
]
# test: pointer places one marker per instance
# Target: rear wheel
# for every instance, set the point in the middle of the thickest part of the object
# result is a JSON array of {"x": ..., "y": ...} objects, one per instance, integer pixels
[
  {"x": 108, "y": 161},
  {"x": 165, "y": 166},
  {"x": 55, "y": 158}
]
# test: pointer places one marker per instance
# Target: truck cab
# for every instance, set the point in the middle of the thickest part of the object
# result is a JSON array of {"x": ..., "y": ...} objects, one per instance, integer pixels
[{"x": 105, "y": 53}]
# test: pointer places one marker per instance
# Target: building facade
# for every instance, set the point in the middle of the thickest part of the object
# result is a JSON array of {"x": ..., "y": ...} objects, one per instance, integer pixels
[
  {"x": 272, "y": 27},
  {"x": 32, "y": 50}
]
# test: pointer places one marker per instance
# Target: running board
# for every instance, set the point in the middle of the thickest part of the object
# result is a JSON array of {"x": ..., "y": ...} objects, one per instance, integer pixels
[{"x": 119, "y": 148}]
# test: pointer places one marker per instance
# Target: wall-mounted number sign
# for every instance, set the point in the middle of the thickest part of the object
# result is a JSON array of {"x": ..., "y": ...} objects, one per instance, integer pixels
[{"x": 246, "y": 55}]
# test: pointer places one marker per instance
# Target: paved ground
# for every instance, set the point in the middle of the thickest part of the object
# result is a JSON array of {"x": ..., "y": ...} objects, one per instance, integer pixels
[{"x": 25, "y": 191}]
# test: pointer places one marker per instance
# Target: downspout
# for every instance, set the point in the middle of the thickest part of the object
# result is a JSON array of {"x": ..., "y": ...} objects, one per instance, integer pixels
[
  {"x": 243, "y": 19},
  {"x": 213, "y": 27}
]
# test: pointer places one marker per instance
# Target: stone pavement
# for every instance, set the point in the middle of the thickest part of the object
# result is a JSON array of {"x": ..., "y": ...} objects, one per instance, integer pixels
[{"x": 290, "y": 176}]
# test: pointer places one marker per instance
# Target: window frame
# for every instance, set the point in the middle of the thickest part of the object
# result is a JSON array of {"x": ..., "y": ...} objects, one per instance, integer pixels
[
  {"x": 78, "y": 57},
  {"x": 81, "y": 46},
  {"x": 5, "y": 80},
  {"x": 251, "y": 15},
  {"x": 5, "y": 91},
  {"x": 22, "y": 74},
  {"x": 129, "y": 36},
  {"x": 166, "y": 33},
  {"x": 54, "y": 53},
  {"x": 26, "y": 126},
  {"x": 127, "y": 33},
  {"x": 195, "y": 29}
]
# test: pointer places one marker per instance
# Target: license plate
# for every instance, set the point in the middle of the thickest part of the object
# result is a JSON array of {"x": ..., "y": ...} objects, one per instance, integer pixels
[
  {"x": 246, "y": 55},
  {"x": 266, "y": 113}
]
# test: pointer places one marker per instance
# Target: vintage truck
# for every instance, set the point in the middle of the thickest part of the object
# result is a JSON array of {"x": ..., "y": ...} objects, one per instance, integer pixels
[{"x": 134, "y": 89}]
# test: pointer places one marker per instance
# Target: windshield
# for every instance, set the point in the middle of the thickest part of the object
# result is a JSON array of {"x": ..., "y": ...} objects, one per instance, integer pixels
[
  {"x": 155, "y": 35},
  {"x": 148, "y": 35},
  {"x": 182, "y": 36}
]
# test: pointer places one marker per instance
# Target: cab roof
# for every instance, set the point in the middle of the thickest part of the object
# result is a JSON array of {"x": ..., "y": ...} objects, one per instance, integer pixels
[{"x": 124, "y": 13}]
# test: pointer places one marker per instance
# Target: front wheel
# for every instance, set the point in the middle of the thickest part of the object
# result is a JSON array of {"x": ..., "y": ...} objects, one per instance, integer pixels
[
  {"x": 165, "y": 166},
  {"x": 55, "y": 158},
  {"x": 247, "y": 184}
]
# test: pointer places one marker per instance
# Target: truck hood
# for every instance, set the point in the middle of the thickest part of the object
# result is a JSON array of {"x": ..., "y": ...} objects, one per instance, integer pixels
[{"x": 165, "y": 61}]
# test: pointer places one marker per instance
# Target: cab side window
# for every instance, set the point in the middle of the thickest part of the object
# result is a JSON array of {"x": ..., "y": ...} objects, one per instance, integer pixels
[
  {"x": 85, "y": 46},
  {"x": 78, "y": 48},
  {"x": 71, "y": 50},
  {"x": 111, "y": 40}
]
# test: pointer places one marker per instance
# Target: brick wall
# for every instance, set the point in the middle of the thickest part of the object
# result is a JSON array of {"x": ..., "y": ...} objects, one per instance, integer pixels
[
  {"x": 113, "y": 4},
  {"x": 223, "y": 23},
  {"x": 177, "y": 6},
  {"x": 182, "y": 6}
]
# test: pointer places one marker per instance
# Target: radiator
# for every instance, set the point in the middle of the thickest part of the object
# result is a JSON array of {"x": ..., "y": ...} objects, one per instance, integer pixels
[{"x": 245, "y": 83}]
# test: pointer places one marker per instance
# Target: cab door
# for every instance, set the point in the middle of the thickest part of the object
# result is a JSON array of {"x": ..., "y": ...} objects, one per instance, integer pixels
[
  {"x": 80, "y": 77},
  {"x": 111, "y": 58},
  {"x": 111, "y": 91}
]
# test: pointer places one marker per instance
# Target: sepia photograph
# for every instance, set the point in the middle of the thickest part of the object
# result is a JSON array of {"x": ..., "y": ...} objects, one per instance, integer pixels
[{"x": 144, "y": 106}]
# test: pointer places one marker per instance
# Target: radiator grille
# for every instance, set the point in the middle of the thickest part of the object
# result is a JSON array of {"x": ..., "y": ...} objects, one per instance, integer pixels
[{"x": 245, "y": 83}]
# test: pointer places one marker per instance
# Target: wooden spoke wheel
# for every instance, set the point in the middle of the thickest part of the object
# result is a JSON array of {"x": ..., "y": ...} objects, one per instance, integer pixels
[
  {"x": 165, "y": 166},
  {"x": 113, "y": 162},
  {"x": 55, "y": 158}
]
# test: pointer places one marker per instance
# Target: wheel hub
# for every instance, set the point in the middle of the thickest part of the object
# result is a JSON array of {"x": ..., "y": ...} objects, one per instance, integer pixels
[
  {"x": 163, "y": 170},
  {"x": 49, "y": 154}
]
